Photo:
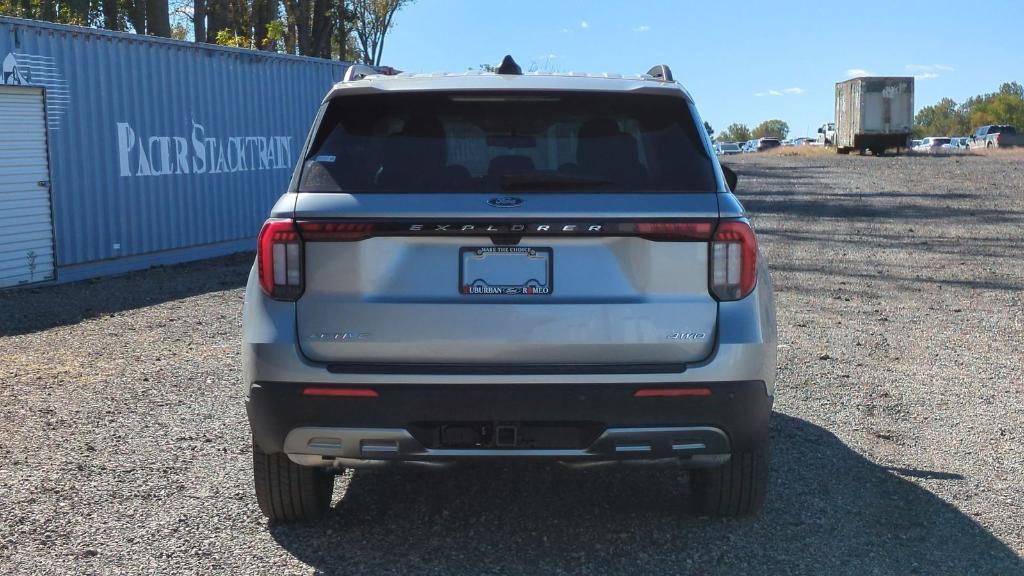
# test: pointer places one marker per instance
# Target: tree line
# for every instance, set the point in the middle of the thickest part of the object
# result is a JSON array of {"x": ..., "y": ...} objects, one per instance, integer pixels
[
  {"x": 352, "y": 30},
  {"x": 949, "y": 118},
  {"x": 774, "y": 128}
]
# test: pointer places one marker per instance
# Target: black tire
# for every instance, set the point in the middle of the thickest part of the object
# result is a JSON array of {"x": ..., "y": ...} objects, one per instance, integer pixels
[
  {"x": 736, "y": 488},
  {"x": 287, "y": 492}
]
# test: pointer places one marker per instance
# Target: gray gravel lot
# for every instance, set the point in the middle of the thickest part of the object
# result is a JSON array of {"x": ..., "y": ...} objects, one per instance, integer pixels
[{"x": 897, "y": 439}]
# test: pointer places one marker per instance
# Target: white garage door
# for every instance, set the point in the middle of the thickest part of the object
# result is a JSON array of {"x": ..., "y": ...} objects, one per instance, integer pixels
[{"x": 26, "y": 227}]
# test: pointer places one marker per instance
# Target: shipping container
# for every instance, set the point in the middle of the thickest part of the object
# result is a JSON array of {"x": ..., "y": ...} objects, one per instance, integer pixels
[
  {"x": 874, "y": 113},
  {"x": 120, "y": 151}
]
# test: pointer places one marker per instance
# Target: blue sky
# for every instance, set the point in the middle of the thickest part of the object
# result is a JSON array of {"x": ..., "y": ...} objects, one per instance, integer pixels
[{"x": 743, "y": 61}]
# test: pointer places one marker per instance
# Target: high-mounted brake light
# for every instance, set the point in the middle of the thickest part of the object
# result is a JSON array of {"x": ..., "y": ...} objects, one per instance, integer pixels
[
  {"x": 279, "y": 257},
  {"x": 733, "y": 260}
]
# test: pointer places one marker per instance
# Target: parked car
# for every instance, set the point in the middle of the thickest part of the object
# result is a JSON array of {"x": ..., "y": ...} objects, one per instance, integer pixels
[
  {"x": 827, "y": 134},
  {"x": 767, "y": 144},
  {"x": 750, "y": 146},
  {"x": 914, "y": 144},
  {"x": 959, "y": 142},
  {"x": 934, "y": 144},
  {"x": 421, "y": 297},
  {"x": 728, "y": 148},
  {"x": 996, "y": 136}
]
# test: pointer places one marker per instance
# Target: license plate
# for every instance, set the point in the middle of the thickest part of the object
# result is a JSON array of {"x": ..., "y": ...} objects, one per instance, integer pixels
[{"x": 505, "y": 270}]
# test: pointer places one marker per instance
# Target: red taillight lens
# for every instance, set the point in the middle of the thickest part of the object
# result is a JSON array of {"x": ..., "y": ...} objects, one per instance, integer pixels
[
  {"x": 314, "y": 231},
  {"x": 279, "y": 254},
  {"x": 675, "y": 231},
  {"x": 733, "y": 260}
]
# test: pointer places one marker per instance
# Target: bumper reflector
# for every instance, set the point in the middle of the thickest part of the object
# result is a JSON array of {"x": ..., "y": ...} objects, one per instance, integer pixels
[
  {"x": 342, "y": 392},
  {"x": 671, "y": 392}
]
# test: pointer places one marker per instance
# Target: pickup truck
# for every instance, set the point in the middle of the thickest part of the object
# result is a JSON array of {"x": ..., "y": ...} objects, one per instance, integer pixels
[{"x": 995, "y": 136}]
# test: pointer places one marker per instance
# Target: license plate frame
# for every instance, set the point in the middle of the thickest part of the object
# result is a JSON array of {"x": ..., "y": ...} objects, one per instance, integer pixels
[{"x": 471, "y": 262}]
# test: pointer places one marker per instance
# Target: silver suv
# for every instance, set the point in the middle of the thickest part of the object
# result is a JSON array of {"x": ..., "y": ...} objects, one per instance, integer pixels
[{"x": 489, "y": 266}]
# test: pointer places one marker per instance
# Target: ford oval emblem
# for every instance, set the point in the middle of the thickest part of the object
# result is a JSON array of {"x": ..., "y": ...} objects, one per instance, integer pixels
[{"x": 506, "y": 202}]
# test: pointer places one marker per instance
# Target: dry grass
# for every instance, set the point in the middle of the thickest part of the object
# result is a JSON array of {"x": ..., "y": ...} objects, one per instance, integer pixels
[
  {"x": 1008, "y": 153},
  {"x": 800, "y": 151}
]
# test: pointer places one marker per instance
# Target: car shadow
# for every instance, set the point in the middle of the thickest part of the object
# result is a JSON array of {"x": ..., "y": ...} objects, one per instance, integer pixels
[
  {"x": 829, "y": 511},
  {"x": 35, "y": 308}
]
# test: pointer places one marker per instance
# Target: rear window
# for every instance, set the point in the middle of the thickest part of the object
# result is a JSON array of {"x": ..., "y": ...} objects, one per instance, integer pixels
[
  {"x": 470, "y": 142},
  {"x": 1005, "y": 129}
]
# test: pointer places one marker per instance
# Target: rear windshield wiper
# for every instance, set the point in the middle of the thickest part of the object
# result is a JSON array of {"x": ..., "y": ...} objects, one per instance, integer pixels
[{"x": 550, "y": 182}]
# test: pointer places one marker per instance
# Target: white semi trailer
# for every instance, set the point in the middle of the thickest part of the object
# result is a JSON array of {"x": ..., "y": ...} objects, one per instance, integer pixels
[{"x": 874, "y": 113}]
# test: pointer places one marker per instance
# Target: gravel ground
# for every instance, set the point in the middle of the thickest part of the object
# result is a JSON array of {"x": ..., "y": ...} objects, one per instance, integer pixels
[{"x": 897, "y": 441}]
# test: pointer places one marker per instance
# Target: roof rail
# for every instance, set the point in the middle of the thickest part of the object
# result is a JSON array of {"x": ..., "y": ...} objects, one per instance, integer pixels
[
  {"x": 358, "y": 72},
  {"x": 661, "y": 72}
]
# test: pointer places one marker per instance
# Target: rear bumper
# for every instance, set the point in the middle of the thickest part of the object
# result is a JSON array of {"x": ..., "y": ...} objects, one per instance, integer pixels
[{"x": 593, "y": 422}]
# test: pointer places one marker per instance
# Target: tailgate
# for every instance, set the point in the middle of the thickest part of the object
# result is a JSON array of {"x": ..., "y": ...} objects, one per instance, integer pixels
[{"x": 451, "y": 280}]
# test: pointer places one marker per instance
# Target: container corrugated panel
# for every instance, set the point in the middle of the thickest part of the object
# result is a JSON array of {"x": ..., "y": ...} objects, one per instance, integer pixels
[{"x": 158, "y": 144}]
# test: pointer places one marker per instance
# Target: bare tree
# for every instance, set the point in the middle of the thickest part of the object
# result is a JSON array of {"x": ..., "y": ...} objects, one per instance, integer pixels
[
  {"x": 199, "y": 20},
  {"x": 373, "y": 21},
  {"x": 320, "y": 30},
  {"x": 158, "y": 18},
  {"x": 136, "y": 12}
]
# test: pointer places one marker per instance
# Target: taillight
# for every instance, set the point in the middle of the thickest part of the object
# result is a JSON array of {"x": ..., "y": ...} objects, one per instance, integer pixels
[
  {"x": 680, "y": 231},
  {"x": 733, "y": 260},
  {"x": 279, "y": 254},
  {"x": 314, "y": 231}
]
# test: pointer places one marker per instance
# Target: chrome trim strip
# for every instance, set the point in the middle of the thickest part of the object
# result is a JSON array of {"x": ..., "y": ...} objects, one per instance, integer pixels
[{"x": 322, "y": 446}]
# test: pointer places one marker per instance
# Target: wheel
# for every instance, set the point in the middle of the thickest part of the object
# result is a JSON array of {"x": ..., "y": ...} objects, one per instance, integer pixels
[
  {"x": 842, "y": 150},
  {"x": 989, "y": 145},
  {"x": 737, "y": 488},
  {"x": 287, "y": 492}
]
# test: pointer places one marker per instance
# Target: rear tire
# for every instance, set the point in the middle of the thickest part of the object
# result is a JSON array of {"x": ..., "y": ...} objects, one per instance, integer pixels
[
  {"x": 737, "y": 488},
  {"x": 287, "y": 492}
]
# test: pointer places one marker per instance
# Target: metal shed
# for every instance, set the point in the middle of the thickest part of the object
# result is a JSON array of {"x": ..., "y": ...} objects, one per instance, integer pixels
[{"x": 120, "y": 151}]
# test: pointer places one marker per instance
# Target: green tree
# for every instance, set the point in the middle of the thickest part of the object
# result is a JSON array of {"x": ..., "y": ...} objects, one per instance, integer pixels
[
  {"x": 735, "y": 133},
  {"x": 999, "y": 109},
  {"x": 945, "y": 118},
  {"x": 1012, "y": 89},
  {"x": 771, "y": 129}
]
